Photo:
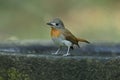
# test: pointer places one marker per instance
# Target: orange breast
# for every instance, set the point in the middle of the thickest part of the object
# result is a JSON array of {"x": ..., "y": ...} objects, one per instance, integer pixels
[{"x": 55, "y": 33}]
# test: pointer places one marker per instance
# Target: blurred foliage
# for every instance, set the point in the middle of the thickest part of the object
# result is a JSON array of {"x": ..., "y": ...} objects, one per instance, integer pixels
[{"x": 95, "y": 20}]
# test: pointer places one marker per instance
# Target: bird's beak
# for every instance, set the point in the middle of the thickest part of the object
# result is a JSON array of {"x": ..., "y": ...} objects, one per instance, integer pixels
[{"x": 49, "y": 24}]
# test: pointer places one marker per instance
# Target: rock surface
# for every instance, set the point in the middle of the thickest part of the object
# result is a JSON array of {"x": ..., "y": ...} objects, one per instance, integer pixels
[{"x": 35, "y": 62}]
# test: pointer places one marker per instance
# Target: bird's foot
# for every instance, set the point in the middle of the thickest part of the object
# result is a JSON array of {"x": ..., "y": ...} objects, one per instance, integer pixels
[
  {"x": 55, "y": 53},
  {"x": 66, "y": 54}
]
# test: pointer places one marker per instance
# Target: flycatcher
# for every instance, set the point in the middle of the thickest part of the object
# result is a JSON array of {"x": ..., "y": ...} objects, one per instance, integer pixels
[{"x": 62, "y": 36}]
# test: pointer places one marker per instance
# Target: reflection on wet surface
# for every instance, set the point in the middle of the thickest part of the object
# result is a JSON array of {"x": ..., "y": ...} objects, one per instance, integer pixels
[{"x": 92, "y": 50}]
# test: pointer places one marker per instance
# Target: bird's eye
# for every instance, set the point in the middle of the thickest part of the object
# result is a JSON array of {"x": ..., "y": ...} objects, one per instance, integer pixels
[{"x": 57, "y": 24}]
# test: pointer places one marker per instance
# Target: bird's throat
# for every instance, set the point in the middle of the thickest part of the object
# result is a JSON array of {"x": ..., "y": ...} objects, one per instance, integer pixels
[{"x": 55, "y": 32}]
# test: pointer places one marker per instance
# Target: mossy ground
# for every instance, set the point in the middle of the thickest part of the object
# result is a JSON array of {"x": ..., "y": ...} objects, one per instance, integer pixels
[{"x": 42, "y": 68}]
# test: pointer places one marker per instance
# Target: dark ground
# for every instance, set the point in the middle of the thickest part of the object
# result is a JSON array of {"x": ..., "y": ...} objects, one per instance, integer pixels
[{"x": 35, "y": 62}]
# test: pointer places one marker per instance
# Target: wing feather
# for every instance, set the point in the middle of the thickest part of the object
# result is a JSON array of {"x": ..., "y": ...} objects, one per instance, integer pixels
[{"x": 70, "y": 37}]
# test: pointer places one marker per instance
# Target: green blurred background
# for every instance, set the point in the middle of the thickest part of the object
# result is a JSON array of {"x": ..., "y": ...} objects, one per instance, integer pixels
[{"x": 95, "y": 20}]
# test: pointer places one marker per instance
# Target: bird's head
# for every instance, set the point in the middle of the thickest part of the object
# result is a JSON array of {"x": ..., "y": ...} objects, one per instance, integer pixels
[{"x": 56, "y": 23}]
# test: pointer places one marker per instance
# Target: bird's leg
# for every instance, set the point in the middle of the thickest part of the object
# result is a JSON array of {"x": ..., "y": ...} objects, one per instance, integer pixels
[
  {"x": 57, "y": 51},
  {"x": 68, "y": 44},
  {"x": 67, "y": 52}
]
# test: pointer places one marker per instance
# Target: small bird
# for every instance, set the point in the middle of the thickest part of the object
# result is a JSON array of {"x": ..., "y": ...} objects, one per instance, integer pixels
[{"x": 62, "y": 36}]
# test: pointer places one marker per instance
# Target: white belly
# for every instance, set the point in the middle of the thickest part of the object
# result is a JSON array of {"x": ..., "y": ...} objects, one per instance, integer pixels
[
  {"x": 58, "y": 41},
  {"x": 61, "y": 41}
]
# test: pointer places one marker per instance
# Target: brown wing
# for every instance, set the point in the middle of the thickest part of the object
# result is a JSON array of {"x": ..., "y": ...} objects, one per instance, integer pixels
[{"x": 69, "y": 36}]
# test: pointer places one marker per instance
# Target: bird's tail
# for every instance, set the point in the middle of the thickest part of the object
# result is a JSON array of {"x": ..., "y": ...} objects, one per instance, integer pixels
[{"x": 83, "y": 40}]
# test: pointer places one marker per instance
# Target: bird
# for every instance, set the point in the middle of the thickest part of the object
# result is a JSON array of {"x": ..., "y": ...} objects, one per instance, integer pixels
[{"x": 61, "y": 36}]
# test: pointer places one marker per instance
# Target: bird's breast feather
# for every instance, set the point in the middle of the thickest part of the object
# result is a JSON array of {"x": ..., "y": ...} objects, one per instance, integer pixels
[{"x": 55, "y": 33}]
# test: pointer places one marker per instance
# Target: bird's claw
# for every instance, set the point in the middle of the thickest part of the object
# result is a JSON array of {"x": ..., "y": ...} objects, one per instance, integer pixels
[
  {"x": 66, "y": 54},
  {"x": 54, "y": 53}
]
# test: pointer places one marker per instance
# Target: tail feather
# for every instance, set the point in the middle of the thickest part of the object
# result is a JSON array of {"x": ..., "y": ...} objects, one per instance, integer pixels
[{"x": 83, "y": 40}]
